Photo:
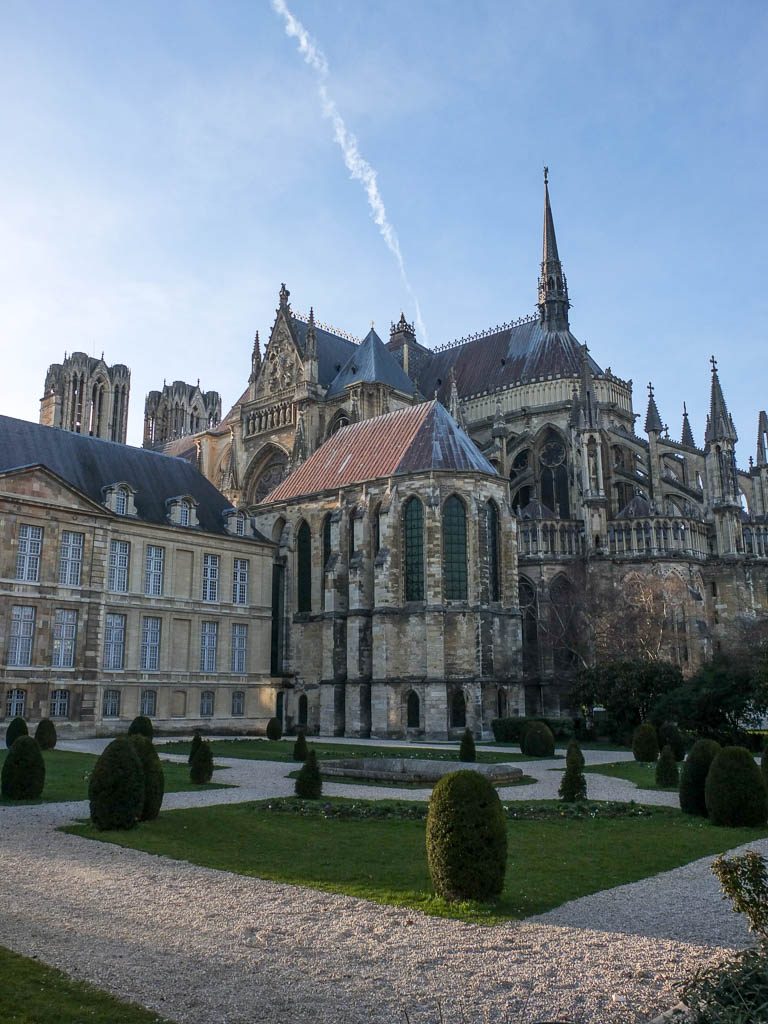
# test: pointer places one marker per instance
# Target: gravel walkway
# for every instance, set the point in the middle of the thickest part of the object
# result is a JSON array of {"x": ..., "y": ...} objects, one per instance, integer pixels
[{"x": 208, "y": 947}]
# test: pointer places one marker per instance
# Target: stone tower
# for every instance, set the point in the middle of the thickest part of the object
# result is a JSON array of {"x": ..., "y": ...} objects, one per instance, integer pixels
[
  {"x": 86, "y": 396},
  {"x": 179, "y": 410}
]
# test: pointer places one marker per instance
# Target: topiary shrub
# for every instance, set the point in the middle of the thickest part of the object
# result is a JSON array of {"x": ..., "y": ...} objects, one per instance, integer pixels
[
  {"x": 694, "y": 775},
  {"x": 16, "y": 727},
  {"x": 116, "y": 789},
  {"x": 467, "y": 750},
  {"x": 201, "y": 765},
  {"x": 45, "y": 734},
  {"x": 154, "y": 778},
  {"x": 23, "y": 775},
  {"x": 538, "y": 741},
  {"x": 274, "y": 729},
  {"x": 141, "y": 726},
  {"x": 670, "y": 735},
  {"x": 645, "y": 744},
  {"x": 735, "y": 792},
  {"x": 764, "y": 764},
  {"x": 309, "y": 785},
  {"x": 667, "y": 774},
  {"x": 573, "y": 785},
  {"x": 300, "y": 747},
  {"x": 197, "y": 739},
  {"x": 466, "y": 838}
]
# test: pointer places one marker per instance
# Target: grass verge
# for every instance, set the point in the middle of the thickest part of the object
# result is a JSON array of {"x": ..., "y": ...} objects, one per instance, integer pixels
[
  {"x": 556, "y": 853},
  {"x": 67, "y": 774},
  {"x": 643, "y": 775},
  {"x": 525, "y": 780},
  {"x": 37, "y": 994}
]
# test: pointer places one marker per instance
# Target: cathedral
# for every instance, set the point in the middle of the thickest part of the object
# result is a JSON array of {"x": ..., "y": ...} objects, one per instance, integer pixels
[{"x": 445, "y": 521}]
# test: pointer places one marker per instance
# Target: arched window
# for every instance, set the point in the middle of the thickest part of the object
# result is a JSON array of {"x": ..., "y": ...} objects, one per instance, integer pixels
[
  {"x": 59, "y": 705},
  {"x": 350, "y": 537},
  {"x": 458, "y": 710},
  {"x": 148, "y": 703},
  {"x": 413, "y": 549},
  {"x": 206, "y": 704},
  {"x": 502, "y": 704},
  {"x": 240, "y": 524},
  {"x": 529, "y": 610},
  {"x": 376, "y": 530},
  {"x": 412, "y": 710},
  {"x": 303, "y": 709},
  {"x": 455, "y": 549},
  {"x": 121, "y": 501},
  {"x": 326, "y": 540},
  {"x": 341, "y": 419},
  {"x": 15, "y": 703},
  {"x": 553, "y": 474},
  {"x": 280, "y": 706},
  {"x": 238, "y": 703},
  {"x": 304, "y": 568},
  {"x": 563, "y": 625},
  {"x": 493, "y": 539},
  {"x": 184, "y": 510}
]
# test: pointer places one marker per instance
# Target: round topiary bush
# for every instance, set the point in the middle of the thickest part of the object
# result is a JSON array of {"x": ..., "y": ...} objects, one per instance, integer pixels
[
  {"x": 467, "y": 749},
  {"x": 645, "y": 744},
  {"x": 45, "y": 734},
  {"x": 573, "y": 785},
  {"x": 23, "y": 775},
  {"x": 309, "y": 785},
  {"x": 201, "y": 765},
  {"x": 466, "y": 838},
  {"x": 300, "y": 748},
  {"x": 274, "y": 729},
  {"x": 116, "y": 789},
  {"x": 667, "y": 774},
  {"x": 16, "y": 727},
  {"x": 141, "y": 726},
  {"x": 735, "y": 792},
  {"x": 670, "y": 735},
  {"x": 538, "y": 740},
  {"x": 197, "y": 739},
  {"x": 154, "y": 777},
  {"x": 694, "y": 775}
]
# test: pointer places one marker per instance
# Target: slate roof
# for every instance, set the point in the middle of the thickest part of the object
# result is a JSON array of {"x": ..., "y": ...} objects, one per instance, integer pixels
[
  {"x": 421, "y": 437},
  {"x": 333, "y": 351},
  {"x": 89, "y": 464},
  {"x": 523, "y": 351},
  {"x": 371, "y": 362}
]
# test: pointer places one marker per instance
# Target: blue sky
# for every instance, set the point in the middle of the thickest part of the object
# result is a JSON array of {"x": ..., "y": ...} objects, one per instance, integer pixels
[{"x": 166, "y": 166}]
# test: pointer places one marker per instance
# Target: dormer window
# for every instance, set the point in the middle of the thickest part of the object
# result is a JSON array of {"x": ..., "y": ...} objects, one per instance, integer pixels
[
  {"x": 121, "y": 501},
  {"x": 236, "y": 522},
  {"x": 119, "y": 498},
  {"x": 240, "y": 524},
  {"x": 182, "y": 511}
]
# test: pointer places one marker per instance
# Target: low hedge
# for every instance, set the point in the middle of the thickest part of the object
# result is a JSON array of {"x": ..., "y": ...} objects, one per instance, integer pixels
[{"x": 510, "y": 730}]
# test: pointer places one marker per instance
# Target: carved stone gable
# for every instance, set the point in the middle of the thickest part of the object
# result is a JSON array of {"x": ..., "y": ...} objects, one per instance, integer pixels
[{"x": 282, "y": 367}]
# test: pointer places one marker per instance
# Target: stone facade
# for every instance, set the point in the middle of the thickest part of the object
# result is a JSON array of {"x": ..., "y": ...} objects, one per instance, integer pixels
[
  {"x": 177, "y": 411},
  {"x": 86, "y": 396}
]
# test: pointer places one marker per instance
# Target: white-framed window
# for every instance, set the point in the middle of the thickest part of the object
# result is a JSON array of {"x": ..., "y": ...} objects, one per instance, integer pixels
[
  {"x": 22, "y": 635},
  {"x": 209, "y": 638},
  {"x": 206, "y": 704},
  {"x": 114, "y": 642},
  {"x": 184, "y": 513},
  {"x": 148, "y": 703},
  {"x": 111, "y": 704},
  {"x": 59, "y": 704},
  {"x": 154, "y": 563},
  {"x": 150, "y": 643},
  {"x": 121, "y": 501},
  {"x": 119, "y": 562},
  {"x": 28, "y": 554},
  {"x": 64, "y": 638},
  {"x": 240, "y": 524},
  {"x": 210, "y": 577},
  {"x": 238, "y": 703},
  {"x": 71, "y": 558},
  {"x": 239, "y": 647},
  {"x": 240, "y": 581},
  {"x": 16, "y": 703}
]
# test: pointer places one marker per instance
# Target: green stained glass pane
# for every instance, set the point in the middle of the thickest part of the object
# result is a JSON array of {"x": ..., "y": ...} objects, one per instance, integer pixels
[
  {"x": 413, "y": 528},
  {"x": 455, "y": 549}
]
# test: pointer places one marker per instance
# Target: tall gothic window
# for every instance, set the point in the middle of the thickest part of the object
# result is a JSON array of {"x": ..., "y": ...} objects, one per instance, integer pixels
[
  {"x": 529, "y": 610},
  {"x": 326, "y": 540},
  {"x": 493, "y": 539},
  {"x": 458, "y": 710},
  {"x": 413, "y": 549},
  {"x": 304, "y": 568},
  {"x": 553, "y": 475},
  {"x": 455, "y": 549},
  {"x": 376, "y": 530},
  {"x": 412, "y": 710}
]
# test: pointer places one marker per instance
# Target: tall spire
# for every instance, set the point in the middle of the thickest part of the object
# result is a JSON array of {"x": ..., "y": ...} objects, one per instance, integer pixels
[
  {"x": 553, "y": 287},
  {"x": 652, "y": 418},
  {"x": 719, "y": 423},
  {"x": 255, "y": 359},
  {"x": 762, "y": 439},
  {"x": 687, "y": 435}
]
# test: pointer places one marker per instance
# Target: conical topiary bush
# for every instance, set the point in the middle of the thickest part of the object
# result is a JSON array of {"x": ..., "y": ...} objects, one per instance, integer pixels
[
  {"x": 116, "y": 789},
  {"x": 573, "y": 785},
  {"x": 154, "y": 777},
  {"x": 23, "y": 774},
  {"x": 309, "y": 785},
  {"x": 197, "y": 739},
  {"x": 16, "y": 727},
  {"x": 694, "y": 776},
  {"x": 645, "y": 743},
  {"x": 201, "y": 765},
  {"x": 300, "y": 747},
  {"x": 141, "y": 726},
  {"x": 45, "y": 734},
  {"x": 667, "y": 775},
  {"x": 467, "y": 748},
  {"x": 735, "y": 792}
]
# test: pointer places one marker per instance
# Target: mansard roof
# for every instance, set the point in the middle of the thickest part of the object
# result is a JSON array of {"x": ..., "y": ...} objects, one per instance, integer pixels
[
  {"x": 333, "y": 351},
  {"x": 371, "y": 362},
  {"x": 89, "y": 465},
  {"x": 521, "y": 351},
  {"x": 420, "y": 438}
]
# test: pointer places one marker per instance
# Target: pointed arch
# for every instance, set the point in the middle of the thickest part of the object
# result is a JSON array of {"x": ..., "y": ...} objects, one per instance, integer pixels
[
  {"x": 413, "y": 549},
  {"x": 412, "y": 710},
  {"x": 304, "y": 567},
  {"x": 454, "y": 549},
  {"x": 265, "y": 471},
  {"x": 529, "y": 610},
  {"x": 493, "y": 547},
  {"x": 458, "y": 710}
]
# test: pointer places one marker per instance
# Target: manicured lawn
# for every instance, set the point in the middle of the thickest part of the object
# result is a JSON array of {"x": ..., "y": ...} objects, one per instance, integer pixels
[
  {"x": 67, "y": 772},
  {"x": 525, "y": 780},
  {"x": 282, "y": 750},
  {"x": 643, "y": 775},
  {"x": 550, "y": 861},
  {"x": 34, "y": 993}
]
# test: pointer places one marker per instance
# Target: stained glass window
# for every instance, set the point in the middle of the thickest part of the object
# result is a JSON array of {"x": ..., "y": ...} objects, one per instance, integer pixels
[
  {"x": 492, "y": 530},
  {"x": 413, "y": 530},
  {"x": 455, "y": 549}
]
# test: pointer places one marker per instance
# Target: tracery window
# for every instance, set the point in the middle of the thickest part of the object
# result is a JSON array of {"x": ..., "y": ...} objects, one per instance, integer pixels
[
  {"x": 413, "y": 549},
  {"x": 455, "y": 549},
  {"x": 492, "y": 540},
  {"x": 529, "y": 610},
  {"x": 304, "y": 568},
  {"x": 553, "y": 475}
]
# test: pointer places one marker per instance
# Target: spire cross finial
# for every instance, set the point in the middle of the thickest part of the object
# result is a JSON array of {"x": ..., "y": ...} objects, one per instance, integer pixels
[
  {"x": 546, "y": 174},
  {"x": 650, "y": 389},
  {"x": 713, "y": 361},
  {"x": 685, "y": 409}
]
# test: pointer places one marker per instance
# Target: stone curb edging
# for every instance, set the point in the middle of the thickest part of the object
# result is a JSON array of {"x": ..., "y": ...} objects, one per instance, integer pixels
[{"x": 677, "y": 1014}]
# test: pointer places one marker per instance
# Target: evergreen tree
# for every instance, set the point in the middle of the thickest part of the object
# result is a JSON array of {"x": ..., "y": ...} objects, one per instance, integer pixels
[
  {"x": 300, "y": 747},
  {"x": 573, "y": 786},
  {"x": 309, "y": 785},
  {"x": 201, "y": 765},
  {"x": 667, "y": 774},
  {"x": 467, "y": 749}
]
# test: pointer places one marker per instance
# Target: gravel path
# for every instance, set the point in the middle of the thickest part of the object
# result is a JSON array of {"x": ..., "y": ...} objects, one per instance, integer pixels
[{"x": 208, "y": 947}]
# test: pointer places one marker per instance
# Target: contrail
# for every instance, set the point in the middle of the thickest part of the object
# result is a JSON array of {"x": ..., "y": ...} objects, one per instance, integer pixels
[{"x": 356, "y": 164}]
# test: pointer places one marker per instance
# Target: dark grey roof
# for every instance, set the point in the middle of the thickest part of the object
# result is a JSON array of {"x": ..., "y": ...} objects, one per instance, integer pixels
[
  {"x": 89, "y": 465},
  {"x": 333, "y": 351},
  {"x": 371, "y": 362},
  {"x": 652, "y": 417},
  {"x": 523, "y": 351}
]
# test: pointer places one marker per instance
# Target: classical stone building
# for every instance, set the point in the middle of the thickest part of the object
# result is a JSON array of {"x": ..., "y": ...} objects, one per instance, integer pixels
[
  {"x": 127, "y": 585},
  {"x": 398, "y": 573},
  {"x": 177, "y": 411},
  {"x": 86, "y": 396}
]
